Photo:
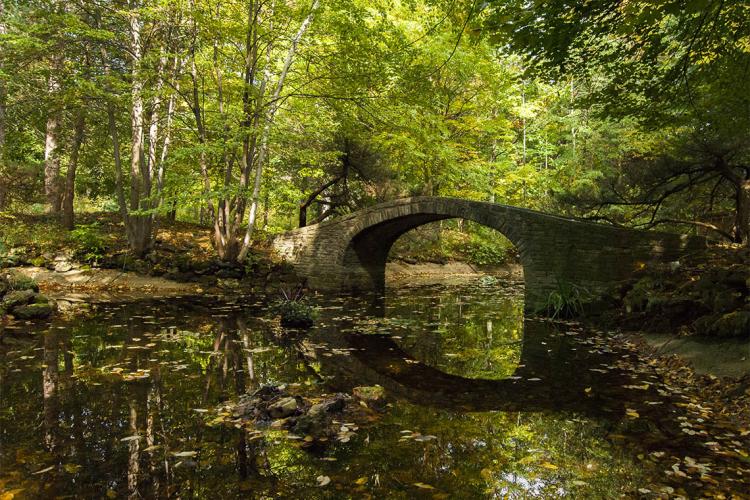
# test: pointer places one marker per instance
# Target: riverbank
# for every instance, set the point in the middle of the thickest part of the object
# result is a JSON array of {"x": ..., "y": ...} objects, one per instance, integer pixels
[
  {"x": 404, "y": 274},
  {"x": 706, "y": 295}
]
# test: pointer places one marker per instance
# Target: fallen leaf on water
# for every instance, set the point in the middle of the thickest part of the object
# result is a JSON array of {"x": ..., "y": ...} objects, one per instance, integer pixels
[
  {"x": 185, "y": 454},
  {"x": 549, "y": 466},
  {"x": 424, "y": 486},
  {"x": 71, "y": 468},
  {"x": 631, "y": 413},
  {"x": 362, "y": 480},
  {"x": 323, "y": 480},
  {"x": 44, "y": 470}
]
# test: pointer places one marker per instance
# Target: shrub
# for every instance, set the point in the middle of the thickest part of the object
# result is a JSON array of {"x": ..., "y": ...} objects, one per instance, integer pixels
[
  {"x": 17, "y": 282},
  {"x": 89, "y": 243}
]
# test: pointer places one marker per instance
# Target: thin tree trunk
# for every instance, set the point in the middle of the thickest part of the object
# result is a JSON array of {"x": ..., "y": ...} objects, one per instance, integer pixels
[
  {"x": 167, "y": 133},
  {"x": 116, "y": 156},
  {"x": 743, "y": 212},
  {"x": 70, "y": 178},
  {"x": 3, "y": 94},
  {"x": 523, "y": 110},
  {"x": 51, "y": 152},
  {"x": 153, "y": 129},
  {"x": 267, "y": 129}
]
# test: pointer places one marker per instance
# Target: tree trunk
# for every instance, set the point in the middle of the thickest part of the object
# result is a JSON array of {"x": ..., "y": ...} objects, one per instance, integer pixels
[
  {"x": 51, "y": 153},
  {"x": 3, "y": 94},
  {"x": 743, "y": 213},
  {"x": 172, "y": 214},
  {"x": 140, "y": 225},
  {"x": 263, "y": 152},
  {"x": 70, "y": 178}
]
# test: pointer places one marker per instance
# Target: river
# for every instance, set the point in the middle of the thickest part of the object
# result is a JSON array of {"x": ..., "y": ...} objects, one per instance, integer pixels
[{"x": 130, "y": 400}]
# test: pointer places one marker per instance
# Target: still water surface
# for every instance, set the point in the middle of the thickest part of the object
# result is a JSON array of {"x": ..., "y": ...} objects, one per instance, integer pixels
[{"x": 125, "y": 401}]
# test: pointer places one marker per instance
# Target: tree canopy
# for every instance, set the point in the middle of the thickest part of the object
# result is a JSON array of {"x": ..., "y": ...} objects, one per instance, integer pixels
[{"x": 261, "y": 115}]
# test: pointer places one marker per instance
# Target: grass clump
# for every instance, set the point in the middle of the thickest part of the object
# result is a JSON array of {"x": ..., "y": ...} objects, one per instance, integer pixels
[{"x": 294, "y": 311}]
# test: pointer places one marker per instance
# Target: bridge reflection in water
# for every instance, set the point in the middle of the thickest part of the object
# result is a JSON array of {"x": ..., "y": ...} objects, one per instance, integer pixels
[{"x": 553, "y": 372}]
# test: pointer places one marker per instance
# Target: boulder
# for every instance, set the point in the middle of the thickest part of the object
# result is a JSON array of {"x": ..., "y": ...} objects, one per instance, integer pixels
[
  {"x": 230, "y": 273},
  {"x": 33, "y": 311},
  {"x": 18, "y": 298},
  {"x": 283, "y": 408},
  {"x": 369, "y": 394},
  {"x": 317, "y": 421},
  {"x": 336, "y": 403},
  {"x": 734, "y": 324}
]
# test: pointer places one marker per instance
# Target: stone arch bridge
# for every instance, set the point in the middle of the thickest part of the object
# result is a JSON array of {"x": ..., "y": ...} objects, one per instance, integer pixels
[{"x": 349, "y": 253}]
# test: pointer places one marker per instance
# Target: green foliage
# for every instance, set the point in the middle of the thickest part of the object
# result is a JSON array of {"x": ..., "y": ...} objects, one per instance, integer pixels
[
  {"x": 454, "y": 240},
  {"x": 567, "y": 301},
  {"x": 89, "y": 243},
  {"x": 17, "y": 281},
  {"x": 484, "y": 251},
  {"x": 294, "y": 310}
]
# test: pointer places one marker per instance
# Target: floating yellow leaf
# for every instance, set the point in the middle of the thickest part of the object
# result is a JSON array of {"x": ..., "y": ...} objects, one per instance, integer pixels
[
  {"x": 424, "y": 486},
  {"x": 549, "y": 466},
  {"x": 10, "y": 494}
]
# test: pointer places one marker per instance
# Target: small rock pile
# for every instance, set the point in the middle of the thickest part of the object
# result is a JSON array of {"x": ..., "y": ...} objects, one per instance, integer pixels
[
  {"x": 315, "y": 420},
  {"x": 20, "y": 298}
]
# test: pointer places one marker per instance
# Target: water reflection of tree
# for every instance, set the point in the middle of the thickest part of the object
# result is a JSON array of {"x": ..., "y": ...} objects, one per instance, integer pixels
[{"x": 50, "y": 381}]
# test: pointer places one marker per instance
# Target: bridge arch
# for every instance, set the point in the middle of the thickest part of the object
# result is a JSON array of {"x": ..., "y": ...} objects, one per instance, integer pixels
[
  {"x": 368, "y": 250},
  {"x": 349, "y": 253}
]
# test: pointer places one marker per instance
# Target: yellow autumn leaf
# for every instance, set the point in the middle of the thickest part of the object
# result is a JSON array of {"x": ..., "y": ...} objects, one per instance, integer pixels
[
  {"x": 424, "y": 486},
  {"x": 10, "y": 494}
]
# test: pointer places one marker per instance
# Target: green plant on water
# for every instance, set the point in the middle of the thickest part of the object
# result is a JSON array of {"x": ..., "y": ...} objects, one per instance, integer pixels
[
  {"x": 89, "y": 243},
  {"x": 294, "y": 310},
  {"x": 567, "y": 301}
]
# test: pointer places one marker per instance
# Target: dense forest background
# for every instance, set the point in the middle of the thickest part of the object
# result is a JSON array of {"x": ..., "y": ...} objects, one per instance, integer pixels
[{"x": 256, "y": 116}]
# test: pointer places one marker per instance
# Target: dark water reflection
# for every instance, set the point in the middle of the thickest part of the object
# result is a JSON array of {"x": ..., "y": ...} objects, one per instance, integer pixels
[{"x": 482, "y": 404}]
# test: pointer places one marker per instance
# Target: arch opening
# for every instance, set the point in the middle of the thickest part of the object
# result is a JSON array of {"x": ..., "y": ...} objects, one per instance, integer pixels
[{"x": 464, "y": 318}]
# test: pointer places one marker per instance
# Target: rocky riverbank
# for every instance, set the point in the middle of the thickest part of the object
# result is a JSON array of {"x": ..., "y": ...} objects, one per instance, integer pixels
[
  {"x": 705, "y": 295},
  {"x": 20, "y": 298}
]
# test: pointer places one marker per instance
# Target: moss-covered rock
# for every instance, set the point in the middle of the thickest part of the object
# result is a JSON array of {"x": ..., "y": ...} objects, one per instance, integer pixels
[
  {"x": 18, "y": 298},
  {"x": 37, "y": 310},
  {"x": 733, "y": 324},
  {"x": 706, "y": 294}
]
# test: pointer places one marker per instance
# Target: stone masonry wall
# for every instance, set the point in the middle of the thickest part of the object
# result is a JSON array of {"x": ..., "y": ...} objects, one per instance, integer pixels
[{"x": 349, "y": 253}]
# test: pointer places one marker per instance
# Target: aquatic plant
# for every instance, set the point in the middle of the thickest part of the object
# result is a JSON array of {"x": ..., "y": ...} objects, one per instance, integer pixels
[
  {"x": 566, "y": 301},
  {"x": 293, "y": 309}
]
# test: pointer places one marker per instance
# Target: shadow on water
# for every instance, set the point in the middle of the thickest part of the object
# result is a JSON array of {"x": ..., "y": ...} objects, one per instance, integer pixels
[{"x": 552, "y": 374}]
